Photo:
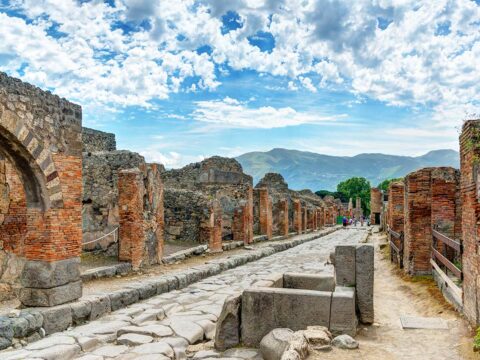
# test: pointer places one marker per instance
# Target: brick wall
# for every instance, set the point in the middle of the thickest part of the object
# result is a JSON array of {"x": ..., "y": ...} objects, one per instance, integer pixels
[
  {"x": 418, "y": 233},
  {"x": 141, "y": 215},
  {"x": 431, "y": 200},
  {"x": 297, "y": 216},
  {"x": 469, "y": 160},
  {"x": 396, "y": 218},
  {"x": 13, "y": 215},
  {"x": 265, "y": 213},
  {"x": 376, "y": 203},
  {"x": 280, "y": 218}
]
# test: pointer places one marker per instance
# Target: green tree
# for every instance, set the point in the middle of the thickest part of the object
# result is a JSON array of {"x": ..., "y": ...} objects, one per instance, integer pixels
[
  {"x": 356, "y": 187},
  {"x": 335, "y": 194},
  {"x": 385, "y": 183}
]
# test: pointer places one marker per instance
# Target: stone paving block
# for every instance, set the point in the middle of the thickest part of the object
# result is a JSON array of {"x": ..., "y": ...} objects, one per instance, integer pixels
[
  {"x": 121, "y": 298},
  {"x": 155, "y": 348},
  {"x": 134, "y": 339},
  {"x": 364, "y": 275},
  {"x": 100, "y": 306},
  {"x": 81, "y": 311},
  {"x": 343, "y": 316},
  {"x": 110, "y": 350},
  {"x": 57, "y": 318},
  {"x": 345, "y": 265},
  {"x": 58, "y": 352},
  {"x": 187, "y": 329},
  {"x": 320, "y": 282}
]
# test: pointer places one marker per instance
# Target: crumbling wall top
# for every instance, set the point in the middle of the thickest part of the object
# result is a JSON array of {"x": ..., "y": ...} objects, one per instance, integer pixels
[{"x": 95, "y": 140}]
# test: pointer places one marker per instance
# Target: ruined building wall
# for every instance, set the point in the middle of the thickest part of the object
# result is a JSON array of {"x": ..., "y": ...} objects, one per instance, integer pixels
[
  {"x": 94, "y": 140},
  {"x": 40, "y": 135},
  {"x": 418, "y": 232},
  {"x": 141, "y": 215},
  {"x": 13, "y": 230},
  {"x": 100, "y": 213},
  {"x": 431, "y": 200},
  {"x": 217, "y": 179},
  {"x": 470, "y": 186},
  {"x": 376, "y": 203},
  {"x": 396, "y": 193}
]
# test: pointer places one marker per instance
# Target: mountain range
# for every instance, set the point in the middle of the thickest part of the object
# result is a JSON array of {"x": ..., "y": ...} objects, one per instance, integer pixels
[{"x": 307, "y": 170}]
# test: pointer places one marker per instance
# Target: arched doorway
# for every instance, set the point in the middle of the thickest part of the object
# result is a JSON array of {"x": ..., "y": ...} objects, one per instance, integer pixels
[{"x": 40, "y": 143}]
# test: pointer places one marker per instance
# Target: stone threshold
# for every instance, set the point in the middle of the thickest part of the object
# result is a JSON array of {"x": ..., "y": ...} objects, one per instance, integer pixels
[{"x": 32, "y": 324}]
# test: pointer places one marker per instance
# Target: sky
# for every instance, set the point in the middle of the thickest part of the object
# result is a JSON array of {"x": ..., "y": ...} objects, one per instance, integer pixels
[{"x": 181, "y": 80}]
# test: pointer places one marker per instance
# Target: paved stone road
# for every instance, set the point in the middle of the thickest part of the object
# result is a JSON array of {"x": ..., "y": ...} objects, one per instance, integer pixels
[{"x": 162, "y": 327}]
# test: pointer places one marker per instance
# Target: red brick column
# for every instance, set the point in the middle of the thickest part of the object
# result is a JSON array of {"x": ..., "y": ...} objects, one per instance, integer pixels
[
  {"x": 304, "y": 219},
  {"x": 265, "y": 213},
  {"x": 375, "y": 205},
  {"x": 249, "y": 209},
  {"x": 297, "y": 216},
  {"x": 130, "y": 203},
  {"x": 418, "y": 220},
  {"x": 470, "y": 186},
  {"x": 396, "y": 200},
  {"x": 215, "y": 244},
  {"x": 281, "y": 217}
]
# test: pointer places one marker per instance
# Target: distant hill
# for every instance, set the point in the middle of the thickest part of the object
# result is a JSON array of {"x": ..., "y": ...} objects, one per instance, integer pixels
[{"x": 307, "y": 170}]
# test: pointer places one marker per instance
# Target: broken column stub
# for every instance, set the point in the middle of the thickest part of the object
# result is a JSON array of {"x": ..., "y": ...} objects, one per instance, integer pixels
[
  {"x": 345, "y": 265},
  {"x": 227, "y": 334},
  {"x": 50, "y": 283},
  {"x": 364, "y": 278}
]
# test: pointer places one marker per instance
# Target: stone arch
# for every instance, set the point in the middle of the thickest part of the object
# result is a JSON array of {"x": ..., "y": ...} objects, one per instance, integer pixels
[{"x": 32, "y": 161}]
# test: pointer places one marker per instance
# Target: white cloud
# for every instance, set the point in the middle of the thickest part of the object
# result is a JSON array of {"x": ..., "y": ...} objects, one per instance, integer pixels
[
  {"x": 78, "y": 48},
  {"x": 230, "y": 113}
]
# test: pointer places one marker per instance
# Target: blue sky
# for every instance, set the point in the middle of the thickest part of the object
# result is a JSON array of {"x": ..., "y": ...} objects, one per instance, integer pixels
[{"x": 181, "y": 80}]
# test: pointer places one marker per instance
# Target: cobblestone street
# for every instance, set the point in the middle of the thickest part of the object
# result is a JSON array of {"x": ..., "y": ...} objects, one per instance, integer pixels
[{"x": 164, "y": 326}]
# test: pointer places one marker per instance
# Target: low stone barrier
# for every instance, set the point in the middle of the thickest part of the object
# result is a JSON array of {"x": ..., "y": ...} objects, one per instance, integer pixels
[
  {"x": 32, "y": 324},
  {"x": 296, "y": 301}
]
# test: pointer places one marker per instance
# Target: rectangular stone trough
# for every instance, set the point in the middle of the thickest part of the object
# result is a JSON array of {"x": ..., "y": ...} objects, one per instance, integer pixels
[
  {"x": 297, "y": 300},
  {"x": 303, "y": 300}
]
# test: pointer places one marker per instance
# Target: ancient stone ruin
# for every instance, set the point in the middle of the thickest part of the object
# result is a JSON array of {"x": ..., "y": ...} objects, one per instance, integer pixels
[
  {"x": 41, "y": 164},
  {"x": 296, "y": 301}
]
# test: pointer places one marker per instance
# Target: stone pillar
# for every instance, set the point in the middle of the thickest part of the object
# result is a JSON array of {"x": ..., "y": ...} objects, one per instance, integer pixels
[
  {"x": 376, "y": 203},
  {"x": 281, "y": 217},
  {"x": 265, "y": 213},
  {"x": 418, "y": 220},
  {"x": 130, "y": 203},
  {"x": 396, "y": 218},
  {"x": 297, "y": 216},
  {"x": 240, "y": 224},
  {"x": 216, "y": 226},
  {"x": 249, "y": 209},
  {"x": 304, "y": 219},
  {"x": 470, "y": 196},
  {"x": 51, "y": 275}
]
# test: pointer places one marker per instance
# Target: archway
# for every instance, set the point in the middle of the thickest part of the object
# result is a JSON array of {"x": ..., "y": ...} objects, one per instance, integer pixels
[{"x": 40, "y": 146}]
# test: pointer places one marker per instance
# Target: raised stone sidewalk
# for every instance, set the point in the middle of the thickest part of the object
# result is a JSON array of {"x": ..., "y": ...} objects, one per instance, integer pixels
[
  {"x": 164, "y": 326},
  {"x": 33, "y": 324}
]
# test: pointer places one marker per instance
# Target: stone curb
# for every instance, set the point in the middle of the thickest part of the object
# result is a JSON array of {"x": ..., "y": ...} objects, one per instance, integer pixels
[
  {"x": 34, "y": 323},
  {"x": 106, "y": 271}
]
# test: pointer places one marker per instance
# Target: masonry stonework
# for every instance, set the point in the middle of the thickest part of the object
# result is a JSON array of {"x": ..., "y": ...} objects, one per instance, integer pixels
[
  {"x": 40, "y": 136},
  {"x": 376, "y": 204},
  {"x": 470, "y": 185}
]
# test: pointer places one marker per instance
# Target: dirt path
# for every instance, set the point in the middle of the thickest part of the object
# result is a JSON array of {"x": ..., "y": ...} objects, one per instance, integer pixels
[{"x": 396, "y": 295}]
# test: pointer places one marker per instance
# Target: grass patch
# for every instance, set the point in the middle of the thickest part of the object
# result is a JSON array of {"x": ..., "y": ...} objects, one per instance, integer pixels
[{"x": 476, "y": 341}]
